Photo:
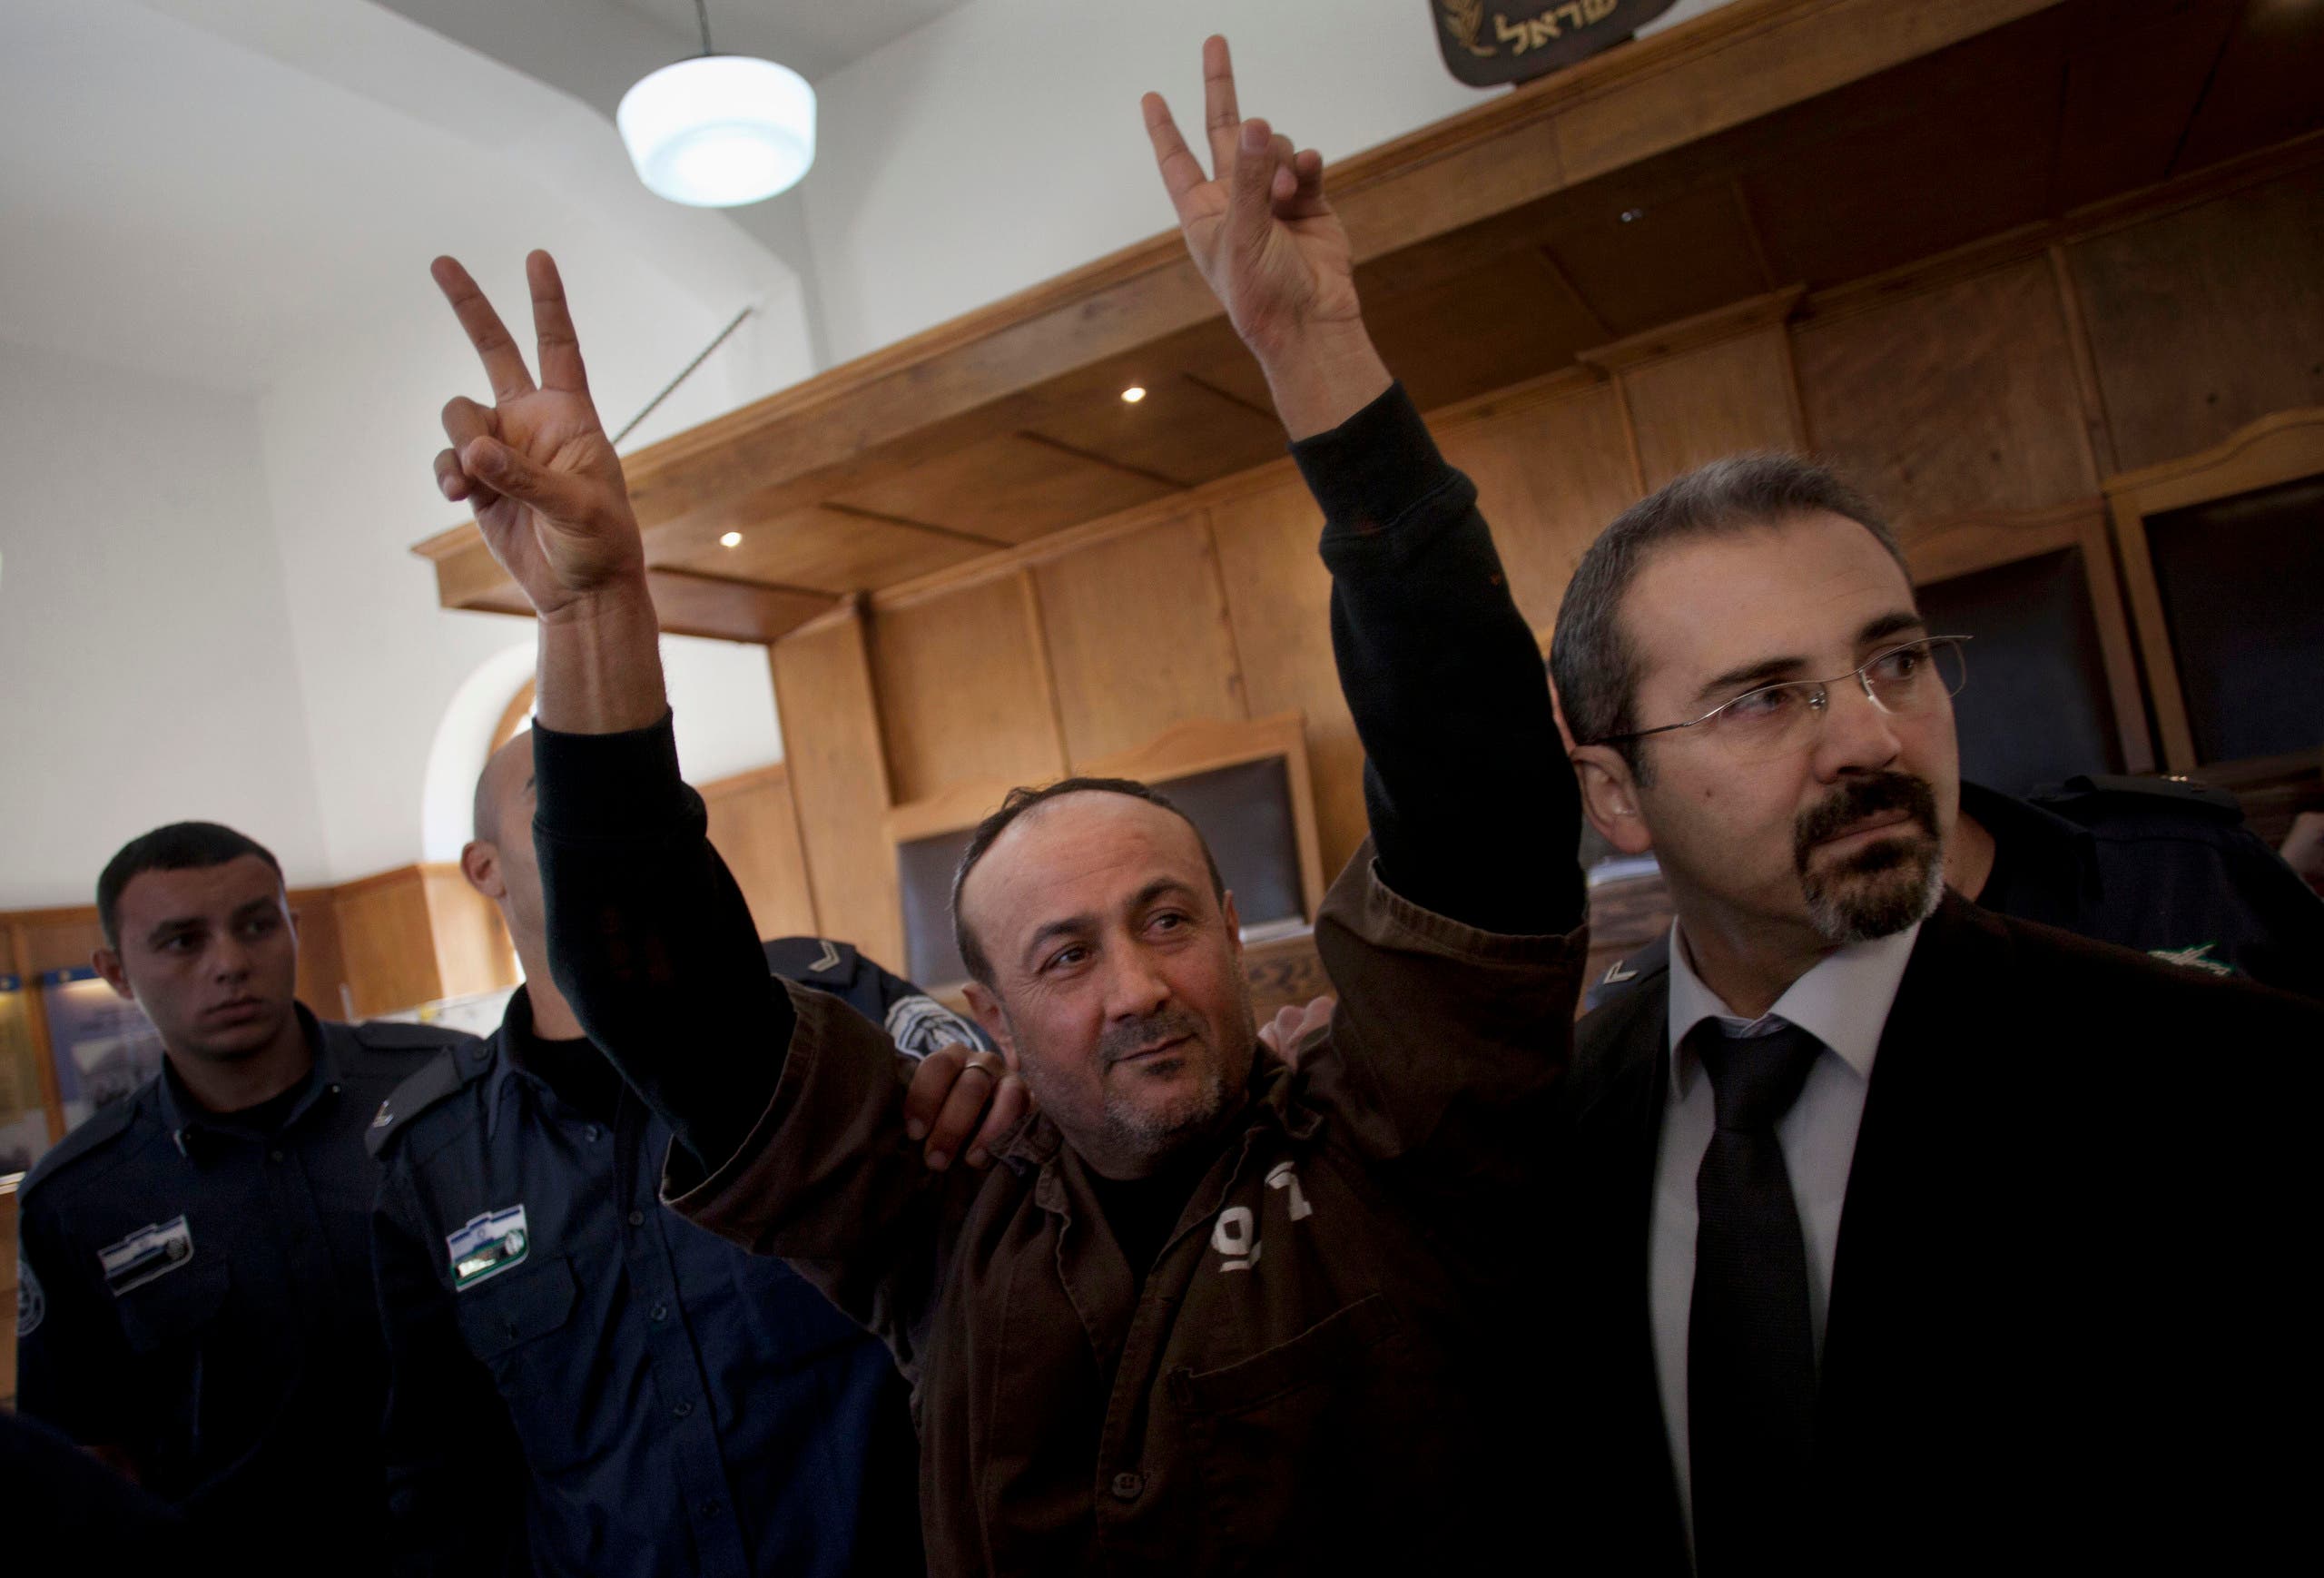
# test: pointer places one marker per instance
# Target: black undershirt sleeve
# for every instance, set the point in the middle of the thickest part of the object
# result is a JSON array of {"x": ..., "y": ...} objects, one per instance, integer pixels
[
  {"x": 1474, "y": 807},
  {"x": 650, "y": 939}
]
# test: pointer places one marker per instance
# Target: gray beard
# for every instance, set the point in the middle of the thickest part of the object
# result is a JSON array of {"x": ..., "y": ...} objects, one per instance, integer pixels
[{"x": 1889, "y": 887}]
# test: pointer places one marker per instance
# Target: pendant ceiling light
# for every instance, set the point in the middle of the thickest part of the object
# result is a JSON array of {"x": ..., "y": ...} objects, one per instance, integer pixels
[{"x": 719, "y": 130}]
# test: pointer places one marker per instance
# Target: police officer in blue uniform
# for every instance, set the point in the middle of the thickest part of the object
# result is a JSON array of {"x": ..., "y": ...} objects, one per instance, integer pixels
[
  {"x": 2159, "y": 865},
  {"x": 197, "y": 1304},
  {"x": 584, "y": 1382}
]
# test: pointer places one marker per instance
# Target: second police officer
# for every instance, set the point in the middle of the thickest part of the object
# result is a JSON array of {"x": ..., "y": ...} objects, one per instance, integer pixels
[{"x": 583, "y": 1382}]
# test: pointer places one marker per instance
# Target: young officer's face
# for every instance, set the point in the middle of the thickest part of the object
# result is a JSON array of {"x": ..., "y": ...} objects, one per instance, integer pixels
[
  {"x": 209, "y": 955},
  {"x": 1118, "y": 975},
  {"x": 1841, "y": 836}
]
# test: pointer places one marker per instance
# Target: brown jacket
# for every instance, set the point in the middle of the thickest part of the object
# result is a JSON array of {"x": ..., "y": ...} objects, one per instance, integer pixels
[{"x": 1321, "y": 1371}]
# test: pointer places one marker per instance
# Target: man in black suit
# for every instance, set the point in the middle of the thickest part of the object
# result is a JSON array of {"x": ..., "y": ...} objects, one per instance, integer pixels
[{"x": 1897, "y": 1233}]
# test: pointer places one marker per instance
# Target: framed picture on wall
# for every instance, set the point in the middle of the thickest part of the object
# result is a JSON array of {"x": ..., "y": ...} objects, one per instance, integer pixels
[{"x": 103, "y": 1045}]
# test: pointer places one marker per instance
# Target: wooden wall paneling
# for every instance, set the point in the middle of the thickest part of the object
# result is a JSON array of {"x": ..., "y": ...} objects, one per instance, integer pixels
[
  {"x": 1011, "y": 487},
  {"x": 2085, "y": 364},
  {"x": 60, "y": 939},
  {"x": 387, "y": 941},
  {"x": 828, "y": 550},
  {"x": 323, "y": 965},
  {"x": 964, "y": 690},
  {"x": 1278, "y": 595},
  {"x": 755, "y": 828},
  {"x": 1512, "y": 317},
  {"x": 2155, "y": 53},
  {"x": 1926, "y": 166},
  {"x": 1138, "y": 638},
  {"x": 1712, "y": 400},
  {"x": 473, "y": 952},
  {"x": 839, "y": 781},
  {"x": 2263, "y": 88},
  {"x": 1956, "y": 401},
  {"x": 2208, "y": 318},
  {"x": 20, "y": 965},
  {"x": 1662, "y": 258},
  {"x": 1551, "y": 471},
  {"x": 1186, "y": 428}
]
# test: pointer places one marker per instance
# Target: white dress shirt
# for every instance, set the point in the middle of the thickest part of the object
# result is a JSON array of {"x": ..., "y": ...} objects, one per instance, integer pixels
[{"x": 1844, "y": 1002}]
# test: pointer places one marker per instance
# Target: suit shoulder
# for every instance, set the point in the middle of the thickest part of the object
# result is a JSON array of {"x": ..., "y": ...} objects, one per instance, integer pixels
[
  {"x": 453, "y": 1069},
  {"x": 89, "y": 1143}
]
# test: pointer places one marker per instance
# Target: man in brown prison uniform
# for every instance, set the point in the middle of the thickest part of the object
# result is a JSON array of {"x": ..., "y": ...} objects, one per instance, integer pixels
[{"x": 1204, "y": 1313}]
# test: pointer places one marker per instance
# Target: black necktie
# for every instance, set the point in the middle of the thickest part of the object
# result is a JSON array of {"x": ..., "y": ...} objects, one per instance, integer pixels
[{"x": 1750, "y": 1340}]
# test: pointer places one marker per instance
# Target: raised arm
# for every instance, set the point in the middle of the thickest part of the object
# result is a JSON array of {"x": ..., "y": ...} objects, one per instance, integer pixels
[
  {"x": 1474, "y": 810},
  {"x": 648, "y": 937}
]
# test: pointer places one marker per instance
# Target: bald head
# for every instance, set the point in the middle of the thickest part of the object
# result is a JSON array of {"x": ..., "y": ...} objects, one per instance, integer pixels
[{"x": 503, "y": 781}]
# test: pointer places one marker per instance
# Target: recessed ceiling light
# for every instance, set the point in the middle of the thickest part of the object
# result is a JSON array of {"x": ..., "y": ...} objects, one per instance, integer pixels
[
  {"x": 1134, "y": 394},
  {"x": 732, "y": 539}
]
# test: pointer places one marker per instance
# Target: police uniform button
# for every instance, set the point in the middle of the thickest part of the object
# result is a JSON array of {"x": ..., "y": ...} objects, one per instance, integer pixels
[
  {"x": 274, "y": 1156},
  {"x": 709, "y": 1509},
  {"x": 660, "y": 1312},
  {"x": 681, "y": 1410},
  {"x": 1128, "y": 1486},
  {"x": 637, "y": 1218},
  {"x": 590, "y": 1134}
]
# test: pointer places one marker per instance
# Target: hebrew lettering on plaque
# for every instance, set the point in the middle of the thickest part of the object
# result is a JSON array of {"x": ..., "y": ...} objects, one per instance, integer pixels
[{"x": 1489, "y": 42}]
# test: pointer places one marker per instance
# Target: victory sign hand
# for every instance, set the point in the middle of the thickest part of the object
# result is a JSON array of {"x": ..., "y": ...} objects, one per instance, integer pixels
[
  {"x": 535, "y": 464},
  {"x": 1272, "y": 250}
]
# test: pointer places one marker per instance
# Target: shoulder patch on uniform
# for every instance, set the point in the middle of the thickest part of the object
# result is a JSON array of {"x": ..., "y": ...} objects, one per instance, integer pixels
[
  {"x": 442, "y": 1075},
  {"x": 809, "y": 960},
  {"x": 32, "y": 1303},
  {"x": 919, "y": 1024}
]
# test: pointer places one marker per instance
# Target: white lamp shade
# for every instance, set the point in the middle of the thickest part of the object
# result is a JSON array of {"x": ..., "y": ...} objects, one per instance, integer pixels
[{"x": 720, "y": 130}]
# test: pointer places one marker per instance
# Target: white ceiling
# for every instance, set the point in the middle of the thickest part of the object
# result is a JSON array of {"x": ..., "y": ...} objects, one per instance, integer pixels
[
  {"x": 208, "y": 190},
  {"x": 813, "y": 37}
]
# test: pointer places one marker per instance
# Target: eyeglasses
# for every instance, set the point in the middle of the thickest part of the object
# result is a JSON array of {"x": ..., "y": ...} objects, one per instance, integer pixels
[{"x": 1776, "y": 719}]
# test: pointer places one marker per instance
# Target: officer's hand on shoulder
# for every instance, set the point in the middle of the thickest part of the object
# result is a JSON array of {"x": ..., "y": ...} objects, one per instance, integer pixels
[
  {"x": 1283, "y": 1034},
  {"x": 953, "y": 1089}
]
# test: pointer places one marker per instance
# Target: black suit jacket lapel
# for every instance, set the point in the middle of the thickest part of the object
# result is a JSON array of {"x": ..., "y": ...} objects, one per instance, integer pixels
[{"x": 1919, "y": 1302}]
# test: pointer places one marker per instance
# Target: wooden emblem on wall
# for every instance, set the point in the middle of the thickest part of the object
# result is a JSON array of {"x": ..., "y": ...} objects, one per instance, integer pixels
[{"x": 1490, "y": 41}]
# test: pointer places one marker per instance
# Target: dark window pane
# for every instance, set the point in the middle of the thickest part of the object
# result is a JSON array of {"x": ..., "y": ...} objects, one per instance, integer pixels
[{"x": 2243, "y": 583}]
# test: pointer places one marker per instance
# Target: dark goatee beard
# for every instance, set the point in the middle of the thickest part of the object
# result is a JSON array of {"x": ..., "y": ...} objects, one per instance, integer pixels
[{"x": 1891, "y": 883}]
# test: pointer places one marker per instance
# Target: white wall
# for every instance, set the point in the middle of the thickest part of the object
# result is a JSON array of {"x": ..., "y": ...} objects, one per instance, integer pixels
[
  {"x": 1002, "y": 143},
  {"x": 146, "y": 659}
]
